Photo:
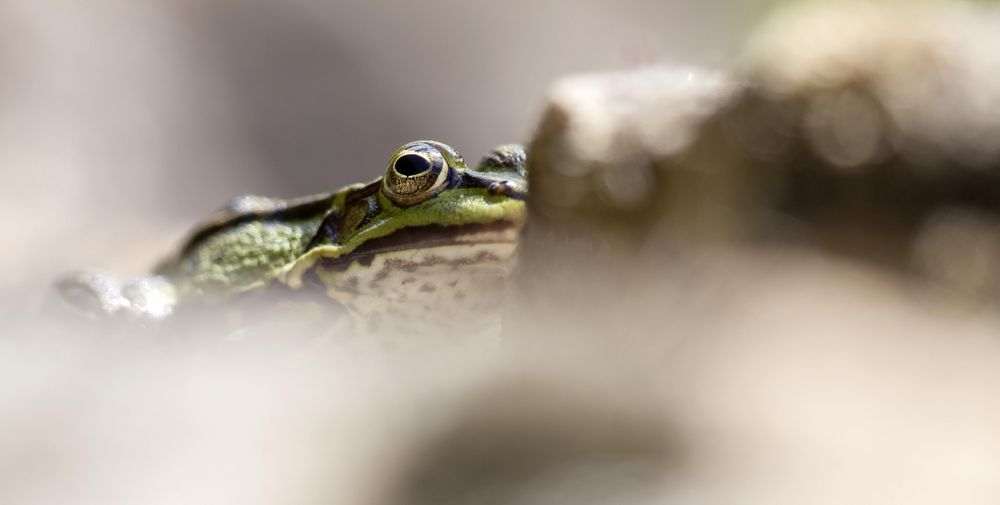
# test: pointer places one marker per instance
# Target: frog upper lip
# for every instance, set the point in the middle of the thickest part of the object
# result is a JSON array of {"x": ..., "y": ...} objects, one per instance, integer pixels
[{"x": 427, "y": 236}]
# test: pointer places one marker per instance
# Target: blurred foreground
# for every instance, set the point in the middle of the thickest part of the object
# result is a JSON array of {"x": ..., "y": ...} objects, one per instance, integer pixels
[{"x": 776, "y": 285}]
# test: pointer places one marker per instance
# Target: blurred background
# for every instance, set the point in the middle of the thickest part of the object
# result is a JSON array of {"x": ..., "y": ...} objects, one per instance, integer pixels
[
  {"x": 727, "y": 371},
  {"x": 121, "y": 123}
]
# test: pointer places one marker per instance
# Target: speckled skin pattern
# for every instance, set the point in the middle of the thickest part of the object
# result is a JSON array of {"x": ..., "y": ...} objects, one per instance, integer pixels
[
  {"x": 454, "y": 288},
  {"x": 350, "y": 241}
]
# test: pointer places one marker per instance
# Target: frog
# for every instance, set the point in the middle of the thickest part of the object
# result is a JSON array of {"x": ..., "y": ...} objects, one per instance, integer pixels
[{"x": 427, "y": 244}]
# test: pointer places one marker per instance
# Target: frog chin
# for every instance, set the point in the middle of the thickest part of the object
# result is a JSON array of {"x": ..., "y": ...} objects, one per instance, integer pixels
[{"x": 451, "y": 283}]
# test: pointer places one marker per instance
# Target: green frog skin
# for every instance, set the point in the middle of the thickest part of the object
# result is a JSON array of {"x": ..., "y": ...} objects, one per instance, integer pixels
[{"x": 431, "y": 236}]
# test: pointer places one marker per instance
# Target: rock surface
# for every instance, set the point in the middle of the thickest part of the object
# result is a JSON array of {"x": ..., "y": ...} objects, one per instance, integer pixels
[
  {"x": 806, "y": 250},
  {"x": 856, "y": 131}
]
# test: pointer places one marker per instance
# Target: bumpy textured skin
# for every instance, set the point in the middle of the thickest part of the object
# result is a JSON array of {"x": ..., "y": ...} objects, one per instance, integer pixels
[
  {"x": 240, "y": 258},
  {"x": 509, "y": 159}
]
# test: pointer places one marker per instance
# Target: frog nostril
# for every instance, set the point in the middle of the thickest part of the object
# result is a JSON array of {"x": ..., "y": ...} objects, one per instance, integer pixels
[
  {"x": 500, "y": 188},
  {"x": 411, "y": 164}
]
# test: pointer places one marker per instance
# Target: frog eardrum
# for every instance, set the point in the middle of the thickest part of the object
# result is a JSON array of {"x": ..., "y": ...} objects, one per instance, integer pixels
[{"x": 416, "y": 172}]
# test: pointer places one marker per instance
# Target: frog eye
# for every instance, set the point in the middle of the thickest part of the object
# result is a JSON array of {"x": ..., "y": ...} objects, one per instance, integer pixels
[{"x": 417, "y": 171}]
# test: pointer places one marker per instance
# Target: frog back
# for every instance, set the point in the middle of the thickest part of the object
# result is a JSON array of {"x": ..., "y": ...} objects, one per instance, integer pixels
[{"x": 244, "y": 245}]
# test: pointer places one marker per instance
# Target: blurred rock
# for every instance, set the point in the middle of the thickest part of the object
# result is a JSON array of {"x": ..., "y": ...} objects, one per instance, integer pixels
[
  {"x": 806, "y": 250},
  {"x": 533, "y": 434},
  {"x": 858, "y": 130}
]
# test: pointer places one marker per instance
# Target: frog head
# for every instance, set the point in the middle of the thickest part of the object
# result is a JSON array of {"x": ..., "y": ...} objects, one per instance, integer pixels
[{"x": 430, "y": 235}]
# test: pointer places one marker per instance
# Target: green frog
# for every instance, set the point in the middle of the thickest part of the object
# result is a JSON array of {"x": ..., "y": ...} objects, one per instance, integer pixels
[{"x": 427, "y": 244}]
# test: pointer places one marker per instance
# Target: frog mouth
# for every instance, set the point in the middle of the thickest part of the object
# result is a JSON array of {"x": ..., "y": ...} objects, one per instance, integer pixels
[{"x": 426, "y": 237}]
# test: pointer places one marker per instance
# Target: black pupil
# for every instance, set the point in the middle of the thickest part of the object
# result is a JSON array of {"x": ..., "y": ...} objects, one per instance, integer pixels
[{"x": 411, "y": 164}]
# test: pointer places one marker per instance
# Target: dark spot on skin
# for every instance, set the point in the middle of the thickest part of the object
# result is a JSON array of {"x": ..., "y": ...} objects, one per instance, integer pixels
[
  {"x": 459, "y": 295},
  {"x": 412, "y": 266},
  {"x": 351, "y": 285},
  {"x": 311, "y": 279},
  {"x": 453, "y": 283},
  {"x": 427, "y": 288},
  {"x": 380, "y": 276},
  {"x": 409, "y": 280}
]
